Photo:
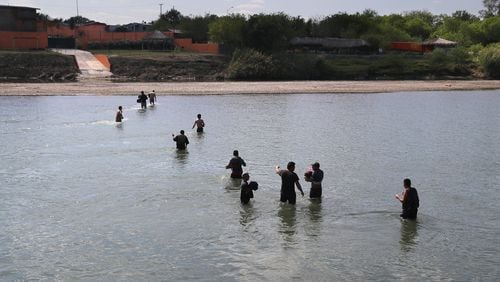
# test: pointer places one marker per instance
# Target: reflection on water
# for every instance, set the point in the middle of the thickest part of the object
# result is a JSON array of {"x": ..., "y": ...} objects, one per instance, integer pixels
[
  {"x": 247, "y": 214},
  {"x": 287, "y": 215},
  {"x": 182, "y": 156},
  {"x": 409, "y": 234},
  {"x": 315, "y": 210}
]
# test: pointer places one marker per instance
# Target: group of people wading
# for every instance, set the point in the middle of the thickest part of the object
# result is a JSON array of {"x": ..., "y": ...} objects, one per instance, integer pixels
[{"x": 289, "y": 179}]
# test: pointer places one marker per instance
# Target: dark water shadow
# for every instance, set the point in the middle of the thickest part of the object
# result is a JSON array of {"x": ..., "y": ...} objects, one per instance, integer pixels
[
  {"x": 247, "y": 215},
  {"x": 409, "y": 233},
  {"x": 288, "y": 221},
  {"x": 181, "y": 156},
  {"x": 232, "y": 184}
]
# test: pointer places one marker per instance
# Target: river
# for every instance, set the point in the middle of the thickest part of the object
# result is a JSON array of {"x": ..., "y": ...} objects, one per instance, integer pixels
[{"x": 84, "y": 198}]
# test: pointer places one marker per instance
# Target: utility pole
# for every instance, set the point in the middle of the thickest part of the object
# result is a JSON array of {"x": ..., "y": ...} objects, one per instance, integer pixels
[
  {"x": 161, "y": 11},
  {"x": 77, "y": 14}
]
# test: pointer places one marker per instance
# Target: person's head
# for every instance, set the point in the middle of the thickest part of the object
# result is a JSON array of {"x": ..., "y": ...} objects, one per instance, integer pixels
[
  {"x": 290, "y": 166},
  {"x": 199, "y": 115},
  {"x": 236, "y": 153},
  {"x": 182, "y": 132},
  {"x": 142, "y": 92},
  {"x": 315, "y": 166},
  {"x": 120, "y": 108},
  {"x": 245, "y": 176},
  {"x": 407, "y": 183},
  {"x": 153, "y": 91}
]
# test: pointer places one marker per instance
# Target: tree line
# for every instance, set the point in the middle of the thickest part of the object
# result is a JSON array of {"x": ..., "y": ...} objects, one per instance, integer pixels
[{"x": 271, "y": 33}]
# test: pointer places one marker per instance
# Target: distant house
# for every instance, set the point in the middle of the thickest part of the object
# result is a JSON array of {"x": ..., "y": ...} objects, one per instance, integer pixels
[
  {"x": 330, "y": 44},
  {"x": 131, "y": 27},
  {"x": 14, "y": 18},
  {"x": 20, "y": 28},
  {"x": 157, "y": 40}
]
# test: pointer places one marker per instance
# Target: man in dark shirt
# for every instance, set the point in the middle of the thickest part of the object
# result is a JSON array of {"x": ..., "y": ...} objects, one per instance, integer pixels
[
  {"x": 235, "y": 165},
  {"x": 142, "y": 99},
  {"x": 409, "y": 200},
  {"x": 289, "y": 179},
  {"x": 181, "y": 140},
  {"x": 315, "y": 177}
]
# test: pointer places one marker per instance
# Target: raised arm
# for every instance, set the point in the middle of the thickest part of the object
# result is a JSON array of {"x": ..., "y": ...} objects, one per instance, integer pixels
[
  {"x": 277, "y": 169},
  {"x": 400, "y": 198}
]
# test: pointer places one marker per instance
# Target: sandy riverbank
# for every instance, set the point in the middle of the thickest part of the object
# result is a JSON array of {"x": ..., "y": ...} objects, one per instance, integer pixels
[{"x": 96, "y": 87}]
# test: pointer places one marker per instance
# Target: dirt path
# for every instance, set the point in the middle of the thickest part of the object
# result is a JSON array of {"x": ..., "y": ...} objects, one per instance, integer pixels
[{"x": 101, "y": 87}]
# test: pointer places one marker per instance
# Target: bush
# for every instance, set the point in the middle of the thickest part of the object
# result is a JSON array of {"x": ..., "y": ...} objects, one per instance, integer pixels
[
  {"x": 489, "y": 59},
  {"x": 249, "y": 64}
]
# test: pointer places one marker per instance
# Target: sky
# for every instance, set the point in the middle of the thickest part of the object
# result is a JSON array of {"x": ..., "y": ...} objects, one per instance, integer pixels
[{"x": 128, "y": 11}]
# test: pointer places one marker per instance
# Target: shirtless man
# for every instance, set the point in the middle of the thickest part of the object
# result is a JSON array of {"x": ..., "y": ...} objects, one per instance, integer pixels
[
  {"x": 199, "y": 123},
  {"x": 152, "y": 98},
  {"x": 119, "y": 115}
]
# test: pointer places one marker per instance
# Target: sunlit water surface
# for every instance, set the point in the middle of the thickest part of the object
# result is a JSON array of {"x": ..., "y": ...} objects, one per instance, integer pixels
[{"x": 82, "y": 198}]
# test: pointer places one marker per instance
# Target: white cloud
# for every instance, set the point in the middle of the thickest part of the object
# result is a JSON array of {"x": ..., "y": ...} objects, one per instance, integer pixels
[{"x": 252, "y": 7}]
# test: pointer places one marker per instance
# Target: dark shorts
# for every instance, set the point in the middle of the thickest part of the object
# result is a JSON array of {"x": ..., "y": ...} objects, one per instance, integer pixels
[
  {"x": 409, "y": 215},
  {"x": 199, "y": 129},
  {"x": 315, "y": 193},
  {"x": 291, "y": 198},
  {"x": 236, "y": 175}
]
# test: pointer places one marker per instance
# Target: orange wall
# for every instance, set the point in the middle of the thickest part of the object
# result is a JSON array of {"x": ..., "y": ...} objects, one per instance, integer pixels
[
  {"x": 86, "y": 34},
  {"x": 104, "y": 60},
  {"x": 23, "y": 40},
  {"x": 187, "y": 44},
  {"x": 60, "y": 31},
  {"x": 410, "y": 46}
]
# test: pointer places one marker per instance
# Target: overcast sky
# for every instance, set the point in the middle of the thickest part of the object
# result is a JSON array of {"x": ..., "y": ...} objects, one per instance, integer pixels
[{"x": 127, "y": 11}]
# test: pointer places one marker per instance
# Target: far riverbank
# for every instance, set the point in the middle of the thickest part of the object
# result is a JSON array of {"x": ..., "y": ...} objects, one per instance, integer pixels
[{"x": 102, "y": 87}]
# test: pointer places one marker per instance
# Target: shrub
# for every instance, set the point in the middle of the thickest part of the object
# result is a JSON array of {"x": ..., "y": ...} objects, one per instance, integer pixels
[
  {"x": 489, "y": 59},
  {"x": 249, "y": 64}
]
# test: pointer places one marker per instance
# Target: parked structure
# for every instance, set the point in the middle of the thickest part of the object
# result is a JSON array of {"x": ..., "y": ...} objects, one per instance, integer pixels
[
  {"x": 20, "y": 28},
  {"x": 422, "y": 47},
  {"x": 330, "y": 44}
]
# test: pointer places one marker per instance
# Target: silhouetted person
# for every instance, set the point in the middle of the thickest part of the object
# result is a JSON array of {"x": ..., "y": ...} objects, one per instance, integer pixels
[
  {"x": 315, "y": 177},
  {"x": 247, "y": 189},
  {"x": 289, "y": 179},
  {"x": 235, "y": 165},
  {"x": 181, "y": 141},
  {"x": 119, "y": 115},
  {"x": 143, "y": 100},
  {"x": 199, "y": 123},
  {"x": 409, "y": 200}
]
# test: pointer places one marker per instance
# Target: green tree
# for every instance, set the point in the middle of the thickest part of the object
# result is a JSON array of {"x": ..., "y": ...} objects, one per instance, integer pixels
[
  {"x": 73, "y": 21},
  {"x": 228, "y": 31},
  {"x": 197, "y": 27},
  {"x": 491, "y": 30},
  {"x": 268, "y": 33},
  {"x": 172, "y": 17},
  {"x": 491, "y": 8}
]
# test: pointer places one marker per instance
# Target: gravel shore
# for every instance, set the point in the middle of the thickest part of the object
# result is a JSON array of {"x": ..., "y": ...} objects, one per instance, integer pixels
[{"x": 102, "y": 87}]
